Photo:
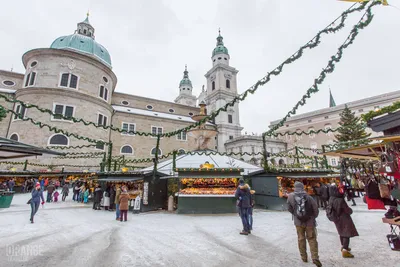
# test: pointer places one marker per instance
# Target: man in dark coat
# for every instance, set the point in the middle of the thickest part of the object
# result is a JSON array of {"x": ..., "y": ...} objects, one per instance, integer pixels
[
  {"x": 65, "y": 191},
  {"x": 344, "y": 224},
  {"x": 50, "y": 190},
  {"x": 317, "y": 192},
  {"x": 324, "y": 194},
  {"x": 244, "y": 197},
  {"x": 112, "y": 197},
  {"x": 305, "y": 229},
  {"x": 98, "y": 194}
]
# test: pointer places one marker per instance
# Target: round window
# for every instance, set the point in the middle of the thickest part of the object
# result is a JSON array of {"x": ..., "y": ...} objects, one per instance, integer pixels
[
  {"x": 33, "y": 64},
  {"x": 125, "y": 103},
  {"x": 9, "y": 83},
  {"x": 190, "y": 114},
  {"x": 149, "y": 107},
  {"x": 105, "y": 79},
  {"x": 171, "y": 110}
]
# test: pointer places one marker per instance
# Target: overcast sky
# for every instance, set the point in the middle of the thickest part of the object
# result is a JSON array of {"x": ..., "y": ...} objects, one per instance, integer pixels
[{"x": 151, "y": 41}]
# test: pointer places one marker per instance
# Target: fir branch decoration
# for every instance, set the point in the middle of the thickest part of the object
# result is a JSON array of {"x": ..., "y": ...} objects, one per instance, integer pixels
[{"x": 389, "y": 109}]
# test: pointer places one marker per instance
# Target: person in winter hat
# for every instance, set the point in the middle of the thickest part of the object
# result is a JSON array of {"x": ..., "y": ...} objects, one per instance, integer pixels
[
  {"x": 98, "y": 194},
  {"x": 50, "y": 189},
  {"x": 304, "y": 210},
  {"x": 244, "y": 204},
  {"x": 37, "y": 194},
  {"x": 124, "y": 204},
  {"x": 65, "y": 191},
  {"x": 344, "y": 224}
]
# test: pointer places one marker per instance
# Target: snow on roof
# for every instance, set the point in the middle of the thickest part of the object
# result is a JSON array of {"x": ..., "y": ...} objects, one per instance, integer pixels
[
  {"x": 9, "y": 91},
  {"x": 151, "y": 113},
  {"x": 194, "y": 161}
]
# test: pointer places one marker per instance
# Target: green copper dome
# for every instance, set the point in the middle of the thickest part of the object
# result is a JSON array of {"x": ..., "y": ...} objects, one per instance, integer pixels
[
  {"x": 83, "y": 41},
  {"x": 220, "y": 48},
  {"x": 185, "y": 80}
]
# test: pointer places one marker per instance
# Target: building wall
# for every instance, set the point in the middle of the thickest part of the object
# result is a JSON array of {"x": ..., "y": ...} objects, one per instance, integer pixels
[
  {"x": 253, "y": 144},
  {"x": 158, "y": 105},
  {"x": 329, "y": 118}
]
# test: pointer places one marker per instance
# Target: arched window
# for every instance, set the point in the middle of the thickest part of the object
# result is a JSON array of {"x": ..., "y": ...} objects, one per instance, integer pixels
[
  {"x": 153, "y": 152},
  {"x": 228, "y": 84},
  {"x": 281, "y": 162},
  {"x": 181, "y": 151},
  {"x": 311, "y": 135},
  {"x": 14, "y": 137},
  {"x": 59, "y": 140},
  {"x": 213, "y": 85},
  {"x": 30, "y": 79},
  {"x": 327, "y": 127},
  {"x": 254, "y": 161},
  {"x": 126, "y": 149}
]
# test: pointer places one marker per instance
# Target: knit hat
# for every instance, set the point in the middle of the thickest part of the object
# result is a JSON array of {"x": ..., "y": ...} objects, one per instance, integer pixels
[
  {"x": 241, "y": 182},
  {"x": 37, "y": 184},
  {"x": 299, "y": 185}
]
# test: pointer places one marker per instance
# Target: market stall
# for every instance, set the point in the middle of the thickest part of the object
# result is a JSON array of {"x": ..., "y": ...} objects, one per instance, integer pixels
[
  {"x": 152, "y": 192},
  {"x": 380, "y": 176},
  {"x": 272, "y": 189},
  {"x": 207, "y": 190}
]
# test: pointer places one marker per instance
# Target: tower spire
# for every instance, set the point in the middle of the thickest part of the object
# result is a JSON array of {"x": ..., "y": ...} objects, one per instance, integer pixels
[{"x": 332, "y": 102}]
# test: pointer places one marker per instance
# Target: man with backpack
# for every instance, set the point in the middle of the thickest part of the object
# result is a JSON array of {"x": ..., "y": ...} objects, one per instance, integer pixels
[{"x": 304, "y": 210}]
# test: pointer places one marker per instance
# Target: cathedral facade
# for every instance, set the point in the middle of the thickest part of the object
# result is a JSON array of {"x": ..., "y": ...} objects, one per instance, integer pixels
[{"x": 74, "y": 78}]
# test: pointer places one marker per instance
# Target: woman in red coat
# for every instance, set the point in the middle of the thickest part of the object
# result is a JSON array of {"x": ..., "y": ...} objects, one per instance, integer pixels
[{"x": 344, "y": 224}]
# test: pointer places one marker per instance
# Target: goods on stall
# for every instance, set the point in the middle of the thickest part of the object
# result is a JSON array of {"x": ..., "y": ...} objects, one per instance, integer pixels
[
  {"x": 208, "y": 186},
  {"x": 286, "y": 185}
]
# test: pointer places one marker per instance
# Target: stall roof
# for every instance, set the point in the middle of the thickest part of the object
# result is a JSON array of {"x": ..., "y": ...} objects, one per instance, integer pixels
[
  {"x": 10, "y": 149},
  {"x": 310, "y": 176},
  {"x": 371, "y": 151},
  {"x": 120, "y": 179},
  {"x": 203, "y": 176},
  {"x": 294, "y": 171},
  {"x": 195, "y": 160}
]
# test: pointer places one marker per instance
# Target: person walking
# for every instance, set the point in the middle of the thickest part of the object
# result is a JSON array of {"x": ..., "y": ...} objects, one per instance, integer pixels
[
  {"x": 112, "y": 197},
  {"x": 65, "y": 191},
  {"x": 76, "y": 191},
  {"x": 324, "y": 194},
  {"x": 11, "y": 184},
  {"x": 124, "y": 204},
  {"x": 37, "y": 194},
  {"x": 342, "y": 219},
  {"x": 317, "y": 193},
  {"x": 244, "y": 197},
  {"x": 86, "y": 196},
  {"x": 252, "y": 203},
  {"x": 98, "y": 193},
  {"x": 50, "y": 190},
  {"x": 106, "y": 196},
  {"x": 117, "y": 195},
  {"x": 305, "y": 211}
]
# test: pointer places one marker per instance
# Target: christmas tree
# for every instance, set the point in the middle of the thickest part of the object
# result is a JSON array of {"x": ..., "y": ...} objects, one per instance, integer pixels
[{"x": 350, "y": 128}]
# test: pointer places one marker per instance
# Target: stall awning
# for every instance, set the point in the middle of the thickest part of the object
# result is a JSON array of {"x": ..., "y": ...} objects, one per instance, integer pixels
[
  {"x": 120, "y": 179},
  {"x": 10, "y": 149}
]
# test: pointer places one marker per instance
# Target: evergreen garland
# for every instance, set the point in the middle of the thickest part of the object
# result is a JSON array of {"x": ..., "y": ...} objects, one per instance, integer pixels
[{"x": 389, "y": 109}]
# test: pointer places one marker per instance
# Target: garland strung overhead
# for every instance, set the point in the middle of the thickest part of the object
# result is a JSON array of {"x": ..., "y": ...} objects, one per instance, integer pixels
[
  {"x": 389, "y": 109},
  {"x": 74, "y": 147},
  {"x": 298, "y": 133},
  {"x": 331, "y": 28},
  {"x": 46, "y": 165},
  {"x": 347, "y": 144},
  {"x": 53, "y": 129},
  {"x": 364, "y": 22}
]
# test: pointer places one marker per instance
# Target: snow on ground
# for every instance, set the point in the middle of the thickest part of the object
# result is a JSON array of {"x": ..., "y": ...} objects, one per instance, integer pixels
[{"x": 71, "y": 234}]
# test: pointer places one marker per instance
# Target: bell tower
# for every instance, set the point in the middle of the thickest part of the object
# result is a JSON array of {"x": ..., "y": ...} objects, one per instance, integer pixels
[
  {"x": 186, "y": 96},
  {"x": 221, "y": 89}
]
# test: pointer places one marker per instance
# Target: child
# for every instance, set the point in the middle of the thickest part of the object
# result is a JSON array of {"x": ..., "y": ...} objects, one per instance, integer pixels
[
  {"x": 86, "y": 196},
  {"x": 56, "y": 196}
]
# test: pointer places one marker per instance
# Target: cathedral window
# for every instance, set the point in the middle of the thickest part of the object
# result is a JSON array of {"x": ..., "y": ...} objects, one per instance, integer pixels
[
  {"x": 100, "y": 146},
  {"x": 171, "y": 110},
  {"x": 103, "y": 93},
  {"x": 30, "y": 79},
  {"x": 230, "y": 118},
  {"x": 181, "y": 151},
  {"x": 156, "y": 130},
  {"x": 20, "y": 112},
  {"x": 58, "y": 140},
  {"x": 149, "y": 107},
  {"x": 228, "y": 84},
  {"x": 219, "y": 58},
  {"x": 129, "y": 128},
  {"x": 101, "y": 120},
  {"x": 213, "y": 85},
  {"x": 181, "y": 136},
  {"x": 126, "y": 149},
  {"x": 14, "y": 137},
  {"x": 230, "y": 137},
  {"x": 69, "y": 80},
  {"x": 153, "y": 152},
  {"x": 61, "y": 111}
]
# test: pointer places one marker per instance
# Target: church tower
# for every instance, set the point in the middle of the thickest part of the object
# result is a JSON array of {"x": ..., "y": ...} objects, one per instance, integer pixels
[
  {"x": 221, "y": 89},
  {"x": 186, "y": 96}
]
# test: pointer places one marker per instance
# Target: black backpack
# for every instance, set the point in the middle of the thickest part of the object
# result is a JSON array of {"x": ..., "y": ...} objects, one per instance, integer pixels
[
  {"x": 331, "y": 213},
  {"x": 302, "y": 208}
]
